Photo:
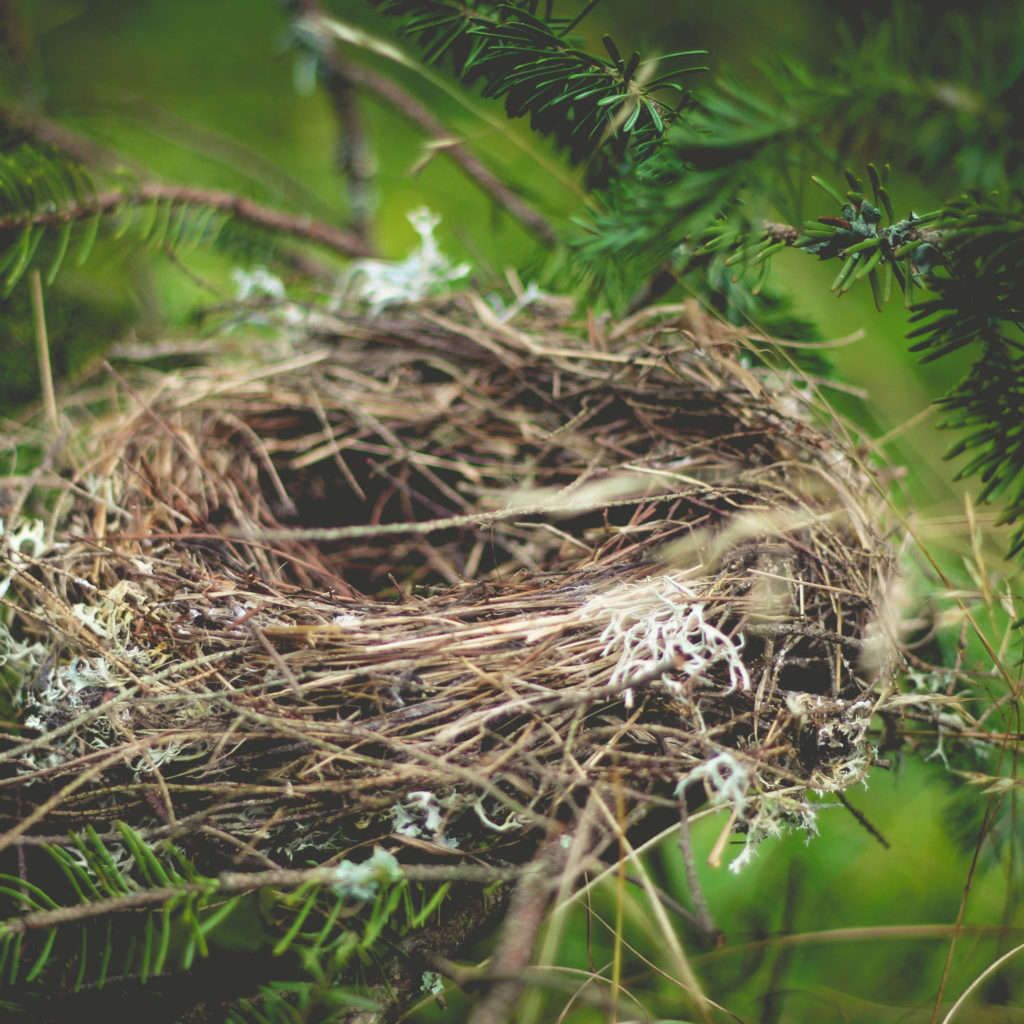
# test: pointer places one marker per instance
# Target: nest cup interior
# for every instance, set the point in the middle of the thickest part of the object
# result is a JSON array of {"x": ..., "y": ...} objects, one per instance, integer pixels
[
  {"x": 442, "y": 579},
  {"x": 530, "y": 462}
]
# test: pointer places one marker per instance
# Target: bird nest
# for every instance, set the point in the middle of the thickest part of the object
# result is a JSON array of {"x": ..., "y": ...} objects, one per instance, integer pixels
[{"x": 440, "y": 583}]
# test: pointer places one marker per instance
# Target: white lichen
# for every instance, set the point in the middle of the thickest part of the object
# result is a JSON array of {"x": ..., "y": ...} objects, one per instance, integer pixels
[
  {"x": 258, "y": 283},
  {"x": 773, "y": 819},
  {"x": 21, "y": 542},
  {"x": 361, "y": 881},
  {"x": 421, "y": 816},
  {"x": 530, "y": 294},
  {"x": 512, "y": 822},
  {"x": 425, "y": 271},
  {"x": 432, "y": 983},
  {"x": 659, "y": 623},
  {"x": 727, "y": 781},
  {"x": 347, "y": 620}
]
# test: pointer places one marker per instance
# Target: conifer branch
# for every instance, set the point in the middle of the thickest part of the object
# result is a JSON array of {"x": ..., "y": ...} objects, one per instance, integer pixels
[
  {"x": 52, "y": 134},
  {"x": 602, "y": 111},
  {"x": 238, "y": 882},
  {"x": 344, "y": 243},
  {"x": 405, "y": 104}
]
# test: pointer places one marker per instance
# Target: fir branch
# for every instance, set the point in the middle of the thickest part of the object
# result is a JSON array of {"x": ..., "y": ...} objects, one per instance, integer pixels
[
  {"x": 944, "y": 89},
  {"x": 710, "y": 181},
  {"x": 977, "y": 301},
  {"x": 330, "y": 916},
  {"x": 745, "y": 146},
  {"x": 599, "y": 109},
  {"x": 518, "y": 934},
  {"x": 867, "y": 247},
  {"x": 344, "y": 243},
  {"x": 969, "y": 257},
  {"x": 46, "y": 133},
  {"x": 230, "y": 883}
]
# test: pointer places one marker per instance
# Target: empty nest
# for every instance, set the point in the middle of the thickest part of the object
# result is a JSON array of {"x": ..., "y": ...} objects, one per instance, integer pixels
[{"x": 441, "y": 582}]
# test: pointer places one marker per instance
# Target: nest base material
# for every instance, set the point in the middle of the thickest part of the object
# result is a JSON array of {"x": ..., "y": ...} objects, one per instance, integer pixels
[{"x": 442, "y": 586}]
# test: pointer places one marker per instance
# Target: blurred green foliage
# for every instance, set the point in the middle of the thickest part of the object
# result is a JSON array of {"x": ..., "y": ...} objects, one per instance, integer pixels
[{"x": 215, "y": 93}]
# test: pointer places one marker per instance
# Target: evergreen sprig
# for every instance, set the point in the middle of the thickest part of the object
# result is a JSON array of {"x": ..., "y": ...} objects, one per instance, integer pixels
[
  {"x": 977, "y": 302},
  {"x": 601, "y": 110},
  {"x": 75, "y": 938},
  {"x": 736, "y": 160},
  {"x": 60, "y": 936},
  {"x": 946, "y": 87},
  {"x": 896, "y": 250},
  {"x": 36, "y": 182},
  {"x": 968, "y": 258},
  {"x": 50, "y": 213},
  {"x": 746, "y": 147}
]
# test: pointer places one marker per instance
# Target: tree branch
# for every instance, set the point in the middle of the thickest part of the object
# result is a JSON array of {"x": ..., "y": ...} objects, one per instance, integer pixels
[
  {"x": 40, "y": 129},
  {"x": 514, "y": 951},
  {"x": 345, "y": 243},
  {"x": 241, "y": 881},
  {"x": 354, "y": 149},
  {"x": 406, "y": 105}
]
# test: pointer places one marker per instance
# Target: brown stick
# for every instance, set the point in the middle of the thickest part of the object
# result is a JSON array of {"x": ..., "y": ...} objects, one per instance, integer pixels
[
  {"x": 43, "y": 353},
  {"x": 355, "y": 151},
  {"x": 40, "y": 129},
  {"x": 343, "y": 242},
  {"x": 518, "y": 934},
  {"x": 412, "y": 110}
]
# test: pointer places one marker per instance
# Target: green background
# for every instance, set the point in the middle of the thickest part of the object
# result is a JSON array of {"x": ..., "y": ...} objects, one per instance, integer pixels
[{"x": 209, "y": 92}]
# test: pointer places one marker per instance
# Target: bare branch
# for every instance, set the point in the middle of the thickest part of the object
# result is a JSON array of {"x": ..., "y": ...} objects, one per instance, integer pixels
[
  {"x": 355, "y": 151},
  {"x": 403, "y": 103},
  {"x": 40, "y": 129}
]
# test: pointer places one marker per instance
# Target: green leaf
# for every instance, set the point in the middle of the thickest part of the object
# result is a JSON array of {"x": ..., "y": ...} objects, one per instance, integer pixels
[
  {"x": 26, "y": 892},
  {"x": 27, "y": 245},
  {"x": 37, "y": 968},
  {"x": 828, "y": 190},
  {"x": 92, "y": 228},
  {"x": 83, "y": 960},
  {"x": 434, "y": 903},
  {"x": 62, "y": 249},
  {"x": 296, "y": 925},
  {"x": 883, "y": 198},
  {"x": 108, "y": 950},
  {"x": 868, "y": 243},
  {"x": 876, "y": 289},
  {"x": 148, "y": 862},
  {"x": 869, "y": 263},
  {"x": 14, "y": 958},
  {"x": 844, "y": 273},
  {"x": 876, "y": 182},
  {"x": 78, "y": 876},
  {"x": 210, "y": 921},
  {"x": 384, "y": 907}
]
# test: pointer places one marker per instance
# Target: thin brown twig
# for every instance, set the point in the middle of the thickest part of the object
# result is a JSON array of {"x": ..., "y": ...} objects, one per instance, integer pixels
[
  {"x": 519, "y": 930},
  {"x": 245, "y": 881},
  {"x": 354, "y": 148},
  {"x": 50, "y": 133},
  {"x": 345, "y": 243},
  {"x": 406, "y": 105},
  {"x": 703, "y": 918}
]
